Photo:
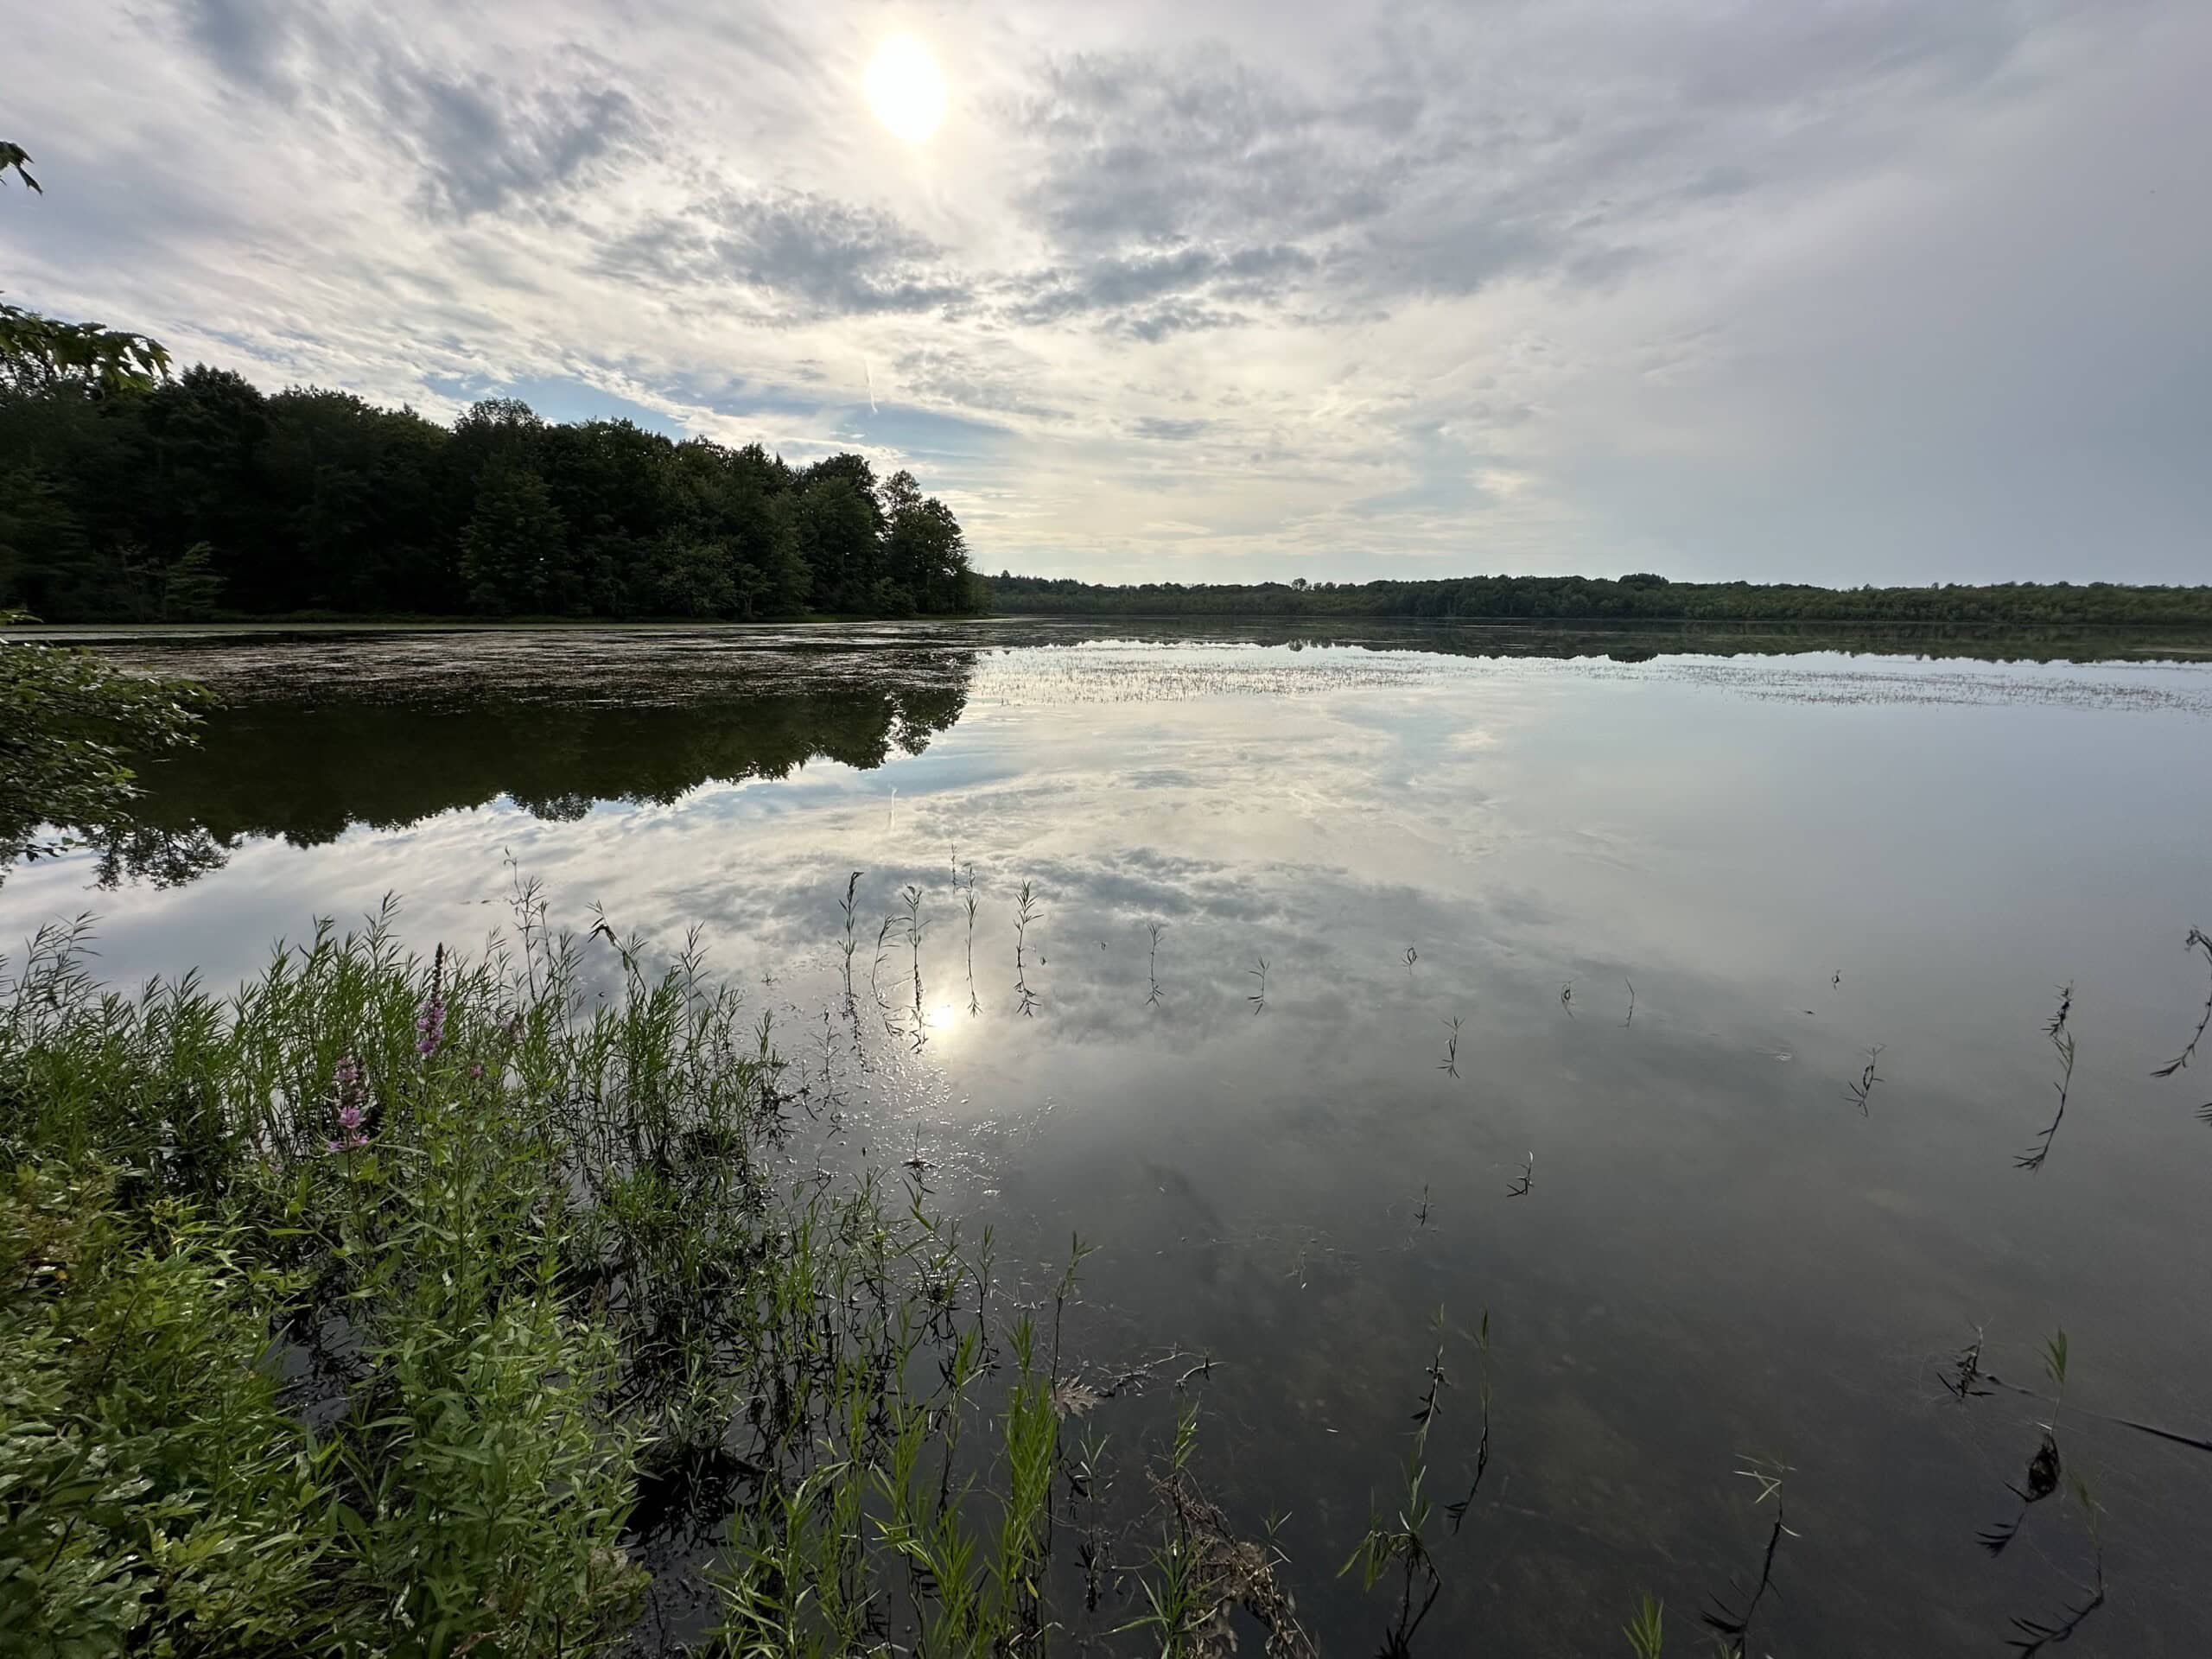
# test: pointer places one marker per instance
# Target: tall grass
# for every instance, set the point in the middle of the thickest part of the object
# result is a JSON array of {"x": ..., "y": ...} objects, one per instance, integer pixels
[{"x": 402, "y": 1306}]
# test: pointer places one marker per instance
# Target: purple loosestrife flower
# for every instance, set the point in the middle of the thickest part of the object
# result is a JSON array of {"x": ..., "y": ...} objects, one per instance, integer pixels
[
  {"x": 347, "y": 1075},
  {"x": 430, "y": 1029}
]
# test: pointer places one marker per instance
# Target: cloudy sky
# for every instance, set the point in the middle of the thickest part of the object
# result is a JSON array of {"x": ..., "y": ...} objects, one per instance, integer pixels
[{"x": 1845, "y": 289}]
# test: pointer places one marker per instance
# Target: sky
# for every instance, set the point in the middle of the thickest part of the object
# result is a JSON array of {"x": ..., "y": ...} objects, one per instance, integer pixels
[{"x": 1834, "y": 290}]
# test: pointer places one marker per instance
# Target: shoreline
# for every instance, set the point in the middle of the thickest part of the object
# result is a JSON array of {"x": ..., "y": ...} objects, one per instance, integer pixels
[{"x": 313, "y": 621}]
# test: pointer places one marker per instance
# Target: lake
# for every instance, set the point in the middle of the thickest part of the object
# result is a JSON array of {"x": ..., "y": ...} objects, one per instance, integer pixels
[{"x": 1677, "y": 1001}]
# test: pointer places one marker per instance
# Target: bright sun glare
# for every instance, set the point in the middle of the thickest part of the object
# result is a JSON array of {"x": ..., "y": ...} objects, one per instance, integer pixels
[{"x": 905, "y": 89}]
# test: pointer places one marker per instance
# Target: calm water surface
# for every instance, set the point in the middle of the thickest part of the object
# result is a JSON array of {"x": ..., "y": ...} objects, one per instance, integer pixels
[{"x": 1791, "y": 859}]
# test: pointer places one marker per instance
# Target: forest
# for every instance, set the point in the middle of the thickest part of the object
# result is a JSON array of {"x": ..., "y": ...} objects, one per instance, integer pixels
[
  {"x": 175, "y": 498},
  {"x": 1628, "y": 598},
  {"x": 144, "y": 497}
]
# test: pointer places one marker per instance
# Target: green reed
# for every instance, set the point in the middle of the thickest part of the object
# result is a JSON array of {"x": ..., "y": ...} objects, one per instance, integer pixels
[
  {"x": 967, "y": 891},
  {"x": 1025, "y": 911},
  {"x": 1647, "y": 1631},
  {"x": 849, "y": 905}
]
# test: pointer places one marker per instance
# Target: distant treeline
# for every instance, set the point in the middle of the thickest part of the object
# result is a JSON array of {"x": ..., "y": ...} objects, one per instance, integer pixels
[
  {"x": 202, "y": 495},
  {"x": 1629, "y": 598}
]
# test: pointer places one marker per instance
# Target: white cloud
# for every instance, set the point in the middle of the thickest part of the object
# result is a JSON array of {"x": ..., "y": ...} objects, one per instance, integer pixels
[{"x": 1878, "y": 291}]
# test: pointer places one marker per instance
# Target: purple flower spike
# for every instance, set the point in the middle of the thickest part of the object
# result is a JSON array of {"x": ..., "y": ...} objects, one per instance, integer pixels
[
  {"x": 347, "y": 1075},
  {"x": 430, "y": 1028}
]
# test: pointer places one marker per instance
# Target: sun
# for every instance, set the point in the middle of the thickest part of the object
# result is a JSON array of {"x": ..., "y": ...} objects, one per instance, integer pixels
[{"x": 905, "y": 89}]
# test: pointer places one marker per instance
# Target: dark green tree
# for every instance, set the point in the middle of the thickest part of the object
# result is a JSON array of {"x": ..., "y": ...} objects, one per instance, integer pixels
[
  {"x": 925, "y": 555},
  {"x": 512, "y": 538},
  {"x": 609, "y": 479},
  {"x": 836, "y": 527},
  {"x": 728, "y": 503},
  {"x": 353, "y": 503},
  {"x": 70, "y": 724}
]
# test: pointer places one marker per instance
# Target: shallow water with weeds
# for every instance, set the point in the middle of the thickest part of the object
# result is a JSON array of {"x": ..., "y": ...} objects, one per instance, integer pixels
[{"x": 1671, "y": 1011}]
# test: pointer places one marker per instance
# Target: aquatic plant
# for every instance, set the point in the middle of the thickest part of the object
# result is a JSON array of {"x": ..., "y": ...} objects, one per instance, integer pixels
[
  {"x": 911, "y": 898},
  {"x": 849, "y": 905},
  {"x": 1200, "y": 1570},
  {"x": 2198, "y": 940},
  {"x": 968, "y": 900},
  {"x": 1859, "y": 1092},
  {"x": 2062, "y": 1041},
  {"x": 1730, "y": 1618},
  {"x": 1457, "y": 1511},
  {"x": 884, "y": 1004},
  {"x": 1520, "y": 1187},
  {"x": 2033, "y": 1635},
  {"x": 1970, "y": 1379},
  {"x": 1401, "y": 1539},
  {"x": 2043, "y": 1467},
  {"x": 2044, "y": 1472},
  {"x": 1965, "y": 1382},
  {"x": 1646, "y": 1630},
  {"x": 1025, "y": 911}
]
